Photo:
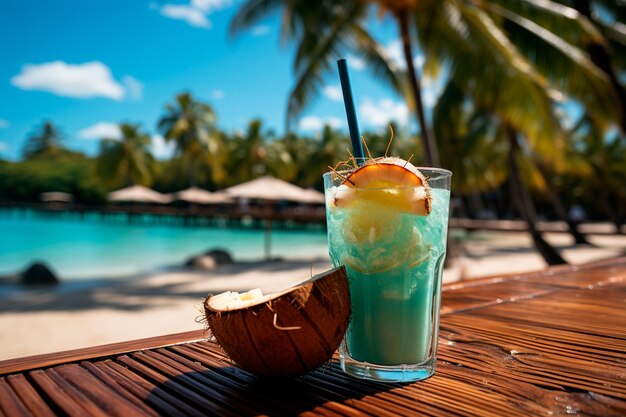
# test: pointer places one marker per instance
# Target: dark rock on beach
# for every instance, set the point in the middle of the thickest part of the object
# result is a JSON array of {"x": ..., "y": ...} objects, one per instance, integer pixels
[
  {"x": 210, "y": 259},
  {"x": 220, "y": 256},
  {"x": 38, "y": 274}
]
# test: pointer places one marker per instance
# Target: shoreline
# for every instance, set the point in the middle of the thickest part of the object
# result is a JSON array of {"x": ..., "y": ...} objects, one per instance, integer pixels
[{"x": 154, "y": 304}]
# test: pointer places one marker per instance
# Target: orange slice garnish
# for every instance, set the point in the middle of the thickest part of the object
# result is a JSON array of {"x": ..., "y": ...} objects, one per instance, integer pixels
[{"x": 387, "y": 182}]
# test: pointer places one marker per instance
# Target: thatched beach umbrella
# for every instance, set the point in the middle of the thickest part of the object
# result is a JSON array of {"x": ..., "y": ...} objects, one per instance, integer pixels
[
  {"x": 200, "y": 196},
  {"x": 313, "y": 196},
  {"x": 56, "y": 197},
  {"x": 138, "y": 194},
  {"x": 271, "y": 189}
]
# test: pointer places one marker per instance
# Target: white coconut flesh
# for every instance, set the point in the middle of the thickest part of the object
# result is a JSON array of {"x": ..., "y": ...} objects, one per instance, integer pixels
[{"x": 233, "y": 300}]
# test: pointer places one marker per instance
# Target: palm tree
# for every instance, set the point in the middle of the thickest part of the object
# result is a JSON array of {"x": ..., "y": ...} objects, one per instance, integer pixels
[
  {"x": 522, "y": 197},
  {"x": 503, "y": 59},
  {"x": 604, "y": 158},
  {"x": 46, "y": 140},
  {"x": 328, "y": 150},
  {"x": 248, "y": 153},
  {"x": 473, "y": 152},
  {"x": 463, "y": 35},
  {"x": 303, "y": 151},
  {"x": 126, "y": 161},
  {"x": 322, "y": 31},
  {"x": 191, "y": 125},
  {"x": 609, "y": 52},
  {"x": 280, "y": 162},
  {"x": 522, "y": 94}
]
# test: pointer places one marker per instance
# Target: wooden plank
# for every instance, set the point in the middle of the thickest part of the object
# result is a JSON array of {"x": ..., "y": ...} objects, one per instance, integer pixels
[
  {"x": 175, "y": 388},
  {"x": 64, "y": 396},
  {"x": 465, "y": 298},
  {"x": 162, "y": 401},
  {"x": 10, "y": 403},
  {"x": 177, "y": 380},
  {"x": 599, "y": 312},
  {"x": 119, "y": 387},
  {"x": 50, "y": 359},
  {"x": 550, "y": 275},
  {"x": 174, "y": 377},
  {"x": 565, "y": 348},
  {"x": 29, "y": 396},
  {"x": 209, "y": 365},
  {"x": 250, "y": 400},
  {"x": 583, "y": 279},
  {"x": 522, "y": 397},
  {"x": 201, "y": 379},
  {"x": 98, "y": 392}
]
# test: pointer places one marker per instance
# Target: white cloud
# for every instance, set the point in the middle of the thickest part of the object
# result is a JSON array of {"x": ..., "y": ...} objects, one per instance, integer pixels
[
  {"x": 260, "y": 30},
  {"x": 195, "y": 13},
  {"x": 91, "y": 79},
  {"x": 382, "y": 112},
  {"x": 210, "y": 6},
  {"x": 217, "y": 94},
  {"x": 333, "y": 92},
  {"x": 431, "y": 93},
  {"x": 193, "y": 16},
  {"x": 396, "y": 55},
  {"x": 4, "y": 123},
  {"x": 101, "y": 130},
  {"x": 133, "y": 87},
  {"x": 162, "y": 149},
  {"x": 3, "y": 146},
  {"x": 315, "y": 123},
  {"x": 355, "y": 63}
]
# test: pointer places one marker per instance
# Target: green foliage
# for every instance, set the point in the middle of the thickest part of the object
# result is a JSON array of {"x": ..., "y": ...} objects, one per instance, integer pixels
[
  {"x": 45, "y": 140},
  {"x": 128, "y": 160},
  {"x": 191, "y": 125},
  {"x": 67, "y": 172}
]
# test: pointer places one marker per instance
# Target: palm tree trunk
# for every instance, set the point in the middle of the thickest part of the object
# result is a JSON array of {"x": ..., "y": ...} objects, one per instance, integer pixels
[
  {"x": 431, "y": 153},
  {"x": 605, "y": 203},
  {"x": 559, "y": 208},
  {"x": 523, "y": 202}
]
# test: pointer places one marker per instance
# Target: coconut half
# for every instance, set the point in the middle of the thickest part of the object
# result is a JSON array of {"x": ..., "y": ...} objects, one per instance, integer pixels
[{"x": 284, "y": 334}]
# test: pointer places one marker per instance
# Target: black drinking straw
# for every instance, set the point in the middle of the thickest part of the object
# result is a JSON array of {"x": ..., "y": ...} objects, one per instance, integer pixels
[{"x": 348, "y": 101}]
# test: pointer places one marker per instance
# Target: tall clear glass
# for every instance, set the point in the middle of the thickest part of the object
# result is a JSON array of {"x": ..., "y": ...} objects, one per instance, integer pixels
[{"x": 394, "y": 260}]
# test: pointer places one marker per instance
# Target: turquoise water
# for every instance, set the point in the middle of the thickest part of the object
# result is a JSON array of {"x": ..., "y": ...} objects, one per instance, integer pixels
[{"x": 87, "y": 249}]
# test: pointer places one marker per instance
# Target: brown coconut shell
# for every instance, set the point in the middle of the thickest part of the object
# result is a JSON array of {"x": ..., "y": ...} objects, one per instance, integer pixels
[{"x": 288, "y": 333}]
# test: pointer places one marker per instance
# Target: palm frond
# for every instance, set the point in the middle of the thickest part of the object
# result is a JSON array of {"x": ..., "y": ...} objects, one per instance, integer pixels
[
  {"x": 567, "y": 67},
  {"x": 616, "y": 36},
  {"x": 489, "y": 68},
  {"x": 376, "y": 58},
  {"x": 310, "y": 78},
  {"x": 570, "y": 25},
  {"x": 473, "y": 152}
]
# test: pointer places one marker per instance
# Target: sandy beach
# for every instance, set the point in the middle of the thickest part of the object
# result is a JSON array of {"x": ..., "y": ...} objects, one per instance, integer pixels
[{"x": 48, "y": 320}]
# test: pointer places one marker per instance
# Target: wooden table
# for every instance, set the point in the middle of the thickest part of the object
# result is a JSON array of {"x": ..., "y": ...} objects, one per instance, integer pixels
[{"x": 545, "y": 343}]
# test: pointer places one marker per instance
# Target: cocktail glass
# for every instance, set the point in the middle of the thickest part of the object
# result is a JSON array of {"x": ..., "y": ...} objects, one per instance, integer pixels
[{"x": 394, "y": 258}]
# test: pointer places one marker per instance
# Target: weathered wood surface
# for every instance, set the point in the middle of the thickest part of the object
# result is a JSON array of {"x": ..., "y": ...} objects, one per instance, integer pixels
[{"x": 546, "y": 343}]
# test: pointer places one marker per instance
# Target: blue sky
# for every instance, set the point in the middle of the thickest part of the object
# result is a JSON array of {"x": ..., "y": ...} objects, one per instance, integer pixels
[{"x": 87, "y": 65}]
